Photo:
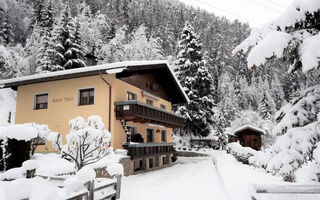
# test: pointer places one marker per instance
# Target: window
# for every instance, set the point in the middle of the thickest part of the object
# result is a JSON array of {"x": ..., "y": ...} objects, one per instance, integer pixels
[
  {"x": 150, "y": 135},
  {"x": 162, "y": 106},
  {"x": 132, "y": 131},
  {"x": 131, "y": 96},
  {"x": 150, "y": 163},
  {"x": 165, "y": 160},
  {"x": 163, "y": 136},
  {"x": 157, "y": 161},
  {"x": 41, "y": 101},
  {"x": 86, "y": 96},
  {"x": 149, "y": 102}
]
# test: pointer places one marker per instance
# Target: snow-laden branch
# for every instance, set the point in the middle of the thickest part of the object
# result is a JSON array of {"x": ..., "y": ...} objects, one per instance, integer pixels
[
  {"x": 86, "y": 143},
  {"x": 294, "y": 36}
]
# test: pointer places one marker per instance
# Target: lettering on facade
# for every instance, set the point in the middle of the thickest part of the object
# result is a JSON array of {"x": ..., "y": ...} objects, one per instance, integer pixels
[{"x": 64, "y": 99}]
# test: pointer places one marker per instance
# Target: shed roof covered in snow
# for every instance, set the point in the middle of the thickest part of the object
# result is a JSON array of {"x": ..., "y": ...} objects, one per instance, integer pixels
[
  {"x": 159, "y": 68},
  {"x": 248, "y": 127}
]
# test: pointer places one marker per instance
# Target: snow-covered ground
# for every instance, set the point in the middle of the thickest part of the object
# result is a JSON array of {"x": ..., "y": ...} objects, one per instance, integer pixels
[
  {"x": 218, "y": 176},
  {"x": 238, "y": 178},
  {"x": 190, "y": 179}
]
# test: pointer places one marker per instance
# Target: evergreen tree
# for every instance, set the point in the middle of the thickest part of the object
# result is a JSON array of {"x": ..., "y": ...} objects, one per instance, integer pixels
[
  {"x": 220, "y": 126},
  {"x": 197, "y": 82},
  {"x": 44, "y": 61},
  {"x": 38, "y": 13},
  {"x": 277, "y": 92},
  {"x": 265, "y": 109},
  {"x": 229, "y": 99},
  {"x": 6, "y": 34},
  {"x": 114, "y": 51},
  {"x": 142, "y": 48},
  {"x": 47, "y": 20},
  {"x": 66, "y": 51}
]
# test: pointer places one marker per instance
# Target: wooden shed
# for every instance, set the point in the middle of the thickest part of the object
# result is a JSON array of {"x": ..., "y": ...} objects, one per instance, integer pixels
[{"x": 249, "y": 136}]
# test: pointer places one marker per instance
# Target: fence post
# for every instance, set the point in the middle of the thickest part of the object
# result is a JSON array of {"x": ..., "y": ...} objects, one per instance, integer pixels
[
  {"x": 30, "y": 173},
  {"x": 90, "y": 187},
  {"x": 118, "y": 187}
]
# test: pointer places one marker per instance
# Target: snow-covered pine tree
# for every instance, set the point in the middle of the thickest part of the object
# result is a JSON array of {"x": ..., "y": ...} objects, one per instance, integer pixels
[
  {"x": 220, "y": 125},
  {"x": 38, "y": 7},
  {"x": 297, "y": 34},
  {"x": 6, "y": 34},
  {"x": 66, "y": 51},
  {"x": 44, "y": 59},
  {"x": 197, "y": 82},
  {"x": 229, "y": 100},
  {"x": 277, "y": 92},
  {"x": 114, "y": 50},
  {"x": 47, "y": 20},
  {"x": 265, "y": 109},
  {"x": 141, "y": 47}
]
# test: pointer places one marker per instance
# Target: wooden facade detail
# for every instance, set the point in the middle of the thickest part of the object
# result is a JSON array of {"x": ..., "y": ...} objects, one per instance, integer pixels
[
  {"x": 142, "y": 150},
  {"x": 249, "y": 137},
  {"x": 139, "y": 112},
  {"x": 146, "y": 82}
]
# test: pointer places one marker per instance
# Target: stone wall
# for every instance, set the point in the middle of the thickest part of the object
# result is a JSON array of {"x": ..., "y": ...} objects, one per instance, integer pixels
[{"x": 190, "y": 154}]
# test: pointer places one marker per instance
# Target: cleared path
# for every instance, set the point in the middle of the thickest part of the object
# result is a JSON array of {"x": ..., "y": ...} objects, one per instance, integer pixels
[{"x": 190, "y": 179}]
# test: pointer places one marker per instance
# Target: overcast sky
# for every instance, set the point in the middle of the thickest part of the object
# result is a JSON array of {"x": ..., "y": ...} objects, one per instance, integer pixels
[{"x": 256, "y": 12}]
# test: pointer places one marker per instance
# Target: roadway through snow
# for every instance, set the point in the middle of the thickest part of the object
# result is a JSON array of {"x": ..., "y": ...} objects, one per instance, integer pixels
[{"x": 194, "y": 178}]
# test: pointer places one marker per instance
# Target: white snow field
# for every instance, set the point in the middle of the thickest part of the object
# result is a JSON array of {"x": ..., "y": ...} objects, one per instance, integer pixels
[
  {"x": 190, "y": 179},
  {"x": 218, "y": 177}
]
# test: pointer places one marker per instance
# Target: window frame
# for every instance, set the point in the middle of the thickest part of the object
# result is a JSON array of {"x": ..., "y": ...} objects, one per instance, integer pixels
[
  {"x": 150, "y": 100},
  {"x": 163, "y": 106},
  {"x": 88, "y": 98},
  {"x": 147, "y": 140},
  {"x": 132, "y": 93},
  {"x": 35, "y": 100},
  {"x": 165, "y": 136}
]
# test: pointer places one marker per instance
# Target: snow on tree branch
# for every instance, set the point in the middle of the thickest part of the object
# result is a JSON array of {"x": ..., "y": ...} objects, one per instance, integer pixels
[
  {"x": 300, "y": 112},
  {"x": 293, "y": 36},
  {"x": 86, "y": 142}
]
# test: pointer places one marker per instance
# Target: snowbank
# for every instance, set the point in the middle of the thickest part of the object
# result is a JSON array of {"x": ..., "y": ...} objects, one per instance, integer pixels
[
  {"x": 240, "y": 151},
  {"x": 27, "y": 132},
  {"x": 76, "y": 183},
  {"x": 34, "y": 189},
  {"x": 115, "y": 169}
]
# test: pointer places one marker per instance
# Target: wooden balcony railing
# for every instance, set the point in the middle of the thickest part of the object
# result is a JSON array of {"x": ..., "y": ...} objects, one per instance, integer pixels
[
  {"x": 140, "y": 150},
  {"x": 139, "y": 112}
]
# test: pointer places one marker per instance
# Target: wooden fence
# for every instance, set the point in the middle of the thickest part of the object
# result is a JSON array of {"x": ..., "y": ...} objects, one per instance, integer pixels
[{"x": 99, "y": 189}]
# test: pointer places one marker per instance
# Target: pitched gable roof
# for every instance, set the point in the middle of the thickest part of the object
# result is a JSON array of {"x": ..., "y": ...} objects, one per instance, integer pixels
[{"x": 159, "y": 68}]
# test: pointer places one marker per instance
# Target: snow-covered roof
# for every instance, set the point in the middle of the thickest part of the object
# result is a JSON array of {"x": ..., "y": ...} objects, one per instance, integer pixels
[
  {"x": 110, "y": 68},
  {"x": 248, "y": 127}
]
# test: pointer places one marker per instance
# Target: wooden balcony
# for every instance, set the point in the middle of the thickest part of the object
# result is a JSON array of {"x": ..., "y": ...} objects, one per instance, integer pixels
[
  {"x": 139, "y": 112},
  {"x": 141, "y": 150}
]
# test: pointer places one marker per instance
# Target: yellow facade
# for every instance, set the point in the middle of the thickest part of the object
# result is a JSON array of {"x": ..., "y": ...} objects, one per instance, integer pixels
[{"x": 63, "y": 106}]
